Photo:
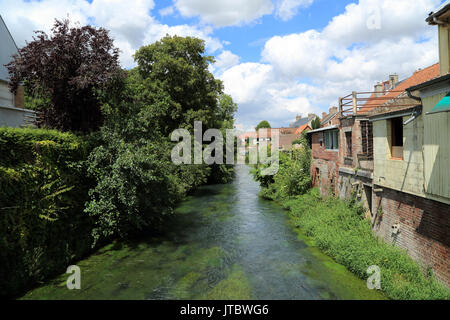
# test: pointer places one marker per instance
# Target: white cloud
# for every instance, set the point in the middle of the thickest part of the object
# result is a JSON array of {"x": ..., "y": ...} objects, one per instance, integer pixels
[
  {"x": 222, "y": 13},
  {"x": 166, "y": 11},
  {"x": 287, "y": 9},
  {"x": 260, "y": 95},
  {"x": 308, "y": 71},
  {"x": 130, "y": 22},
  {"x": 224, "y": 61}
]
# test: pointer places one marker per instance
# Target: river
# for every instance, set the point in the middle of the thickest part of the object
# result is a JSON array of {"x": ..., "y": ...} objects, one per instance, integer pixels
[{"x": 224, "y": 242}]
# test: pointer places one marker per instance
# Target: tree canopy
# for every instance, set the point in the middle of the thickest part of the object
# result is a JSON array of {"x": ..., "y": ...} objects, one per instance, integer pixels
[
  {"x": 67, "y": 68},
  {"x": 263, "y": 125}
]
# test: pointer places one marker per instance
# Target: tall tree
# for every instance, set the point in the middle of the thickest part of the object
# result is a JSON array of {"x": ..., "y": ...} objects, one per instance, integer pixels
[
  {"x": 263, "y": 125},
  {"x": 173, "y": 79},
  {"x": 68, "y": 68}
]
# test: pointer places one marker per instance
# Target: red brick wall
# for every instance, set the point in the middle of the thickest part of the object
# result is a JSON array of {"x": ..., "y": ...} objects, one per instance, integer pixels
[
  {"x": 327, "y": 163},
  {"x": 354, "y": 161},
  {"x": 424, "y": 228}
]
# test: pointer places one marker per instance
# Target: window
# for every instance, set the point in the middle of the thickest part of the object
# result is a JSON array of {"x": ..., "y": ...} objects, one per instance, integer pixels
[
  {"x": 367, "y": 139},
  {"x": 348, "y": 140},
  {"x": 331, "y": 139},
  {"x": 397, "y": 138}
]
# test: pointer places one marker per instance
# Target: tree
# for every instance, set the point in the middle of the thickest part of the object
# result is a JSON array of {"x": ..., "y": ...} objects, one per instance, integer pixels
[
  {"x": 263, "y": 125},
  {"x": 315, "y": 124},
  {"x": 174, "y": 81},
  {"x": 68, "y": 69}
]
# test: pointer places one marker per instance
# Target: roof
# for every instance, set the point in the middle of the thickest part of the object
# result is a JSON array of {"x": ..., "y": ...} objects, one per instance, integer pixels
[
  {"x": 441, "y": 13},
  {"x": 328, "y": 117},
  {"x": 420, "y": 76},
  {"x": 429, "y": 82},
  {"x": 323, "y": 129},
  {"x": 299, "y": 122},
  {"x": 248, "y": 135},
  {"x": 302, "y": 128},
  {"x": 398, "y": 112},
  {"x": 7, "y": 49}
]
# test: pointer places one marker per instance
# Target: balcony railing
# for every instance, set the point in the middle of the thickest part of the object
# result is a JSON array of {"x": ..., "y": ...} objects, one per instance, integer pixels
[{"x": 364, "y": 102}]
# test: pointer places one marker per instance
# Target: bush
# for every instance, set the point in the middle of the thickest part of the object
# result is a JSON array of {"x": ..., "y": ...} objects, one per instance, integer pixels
[
  {"x": 293, "y": 177},
  {"x": 341, "y": 232},
  {"x": 43, "y": 189}
]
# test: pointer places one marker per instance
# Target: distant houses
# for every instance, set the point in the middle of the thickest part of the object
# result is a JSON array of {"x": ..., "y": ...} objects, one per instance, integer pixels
[{"x": 389, "y": 149}]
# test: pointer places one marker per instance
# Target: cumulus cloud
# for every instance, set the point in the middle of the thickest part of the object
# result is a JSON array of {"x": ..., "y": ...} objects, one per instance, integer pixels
[
  {"x": 260, "y": 94},
  {"x": 136, "y": 29},
  {"x": 224, "y": 61},
  {"x": 222, "y": 13},
  {"x": 287, "y": 9},
  {"x": 166, "y": 11},
  {"x": 308, "y": 71}
]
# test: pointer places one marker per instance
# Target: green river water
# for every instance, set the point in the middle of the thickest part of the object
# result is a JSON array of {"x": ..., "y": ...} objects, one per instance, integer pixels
[{"x": 224, "y": 243}]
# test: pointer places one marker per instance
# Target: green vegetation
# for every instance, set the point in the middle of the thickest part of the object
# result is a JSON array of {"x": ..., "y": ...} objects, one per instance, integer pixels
[
  {"x": 315, "y": 124},
  {"x": 340, "y": 230},
  {"x": 43, "y": 188},
  {"x": 263, "y": 125},
  {"x": 81, "y": 191}
]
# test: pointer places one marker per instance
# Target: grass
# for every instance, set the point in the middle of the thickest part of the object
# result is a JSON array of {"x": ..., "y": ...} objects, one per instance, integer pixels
[{"x": 341, "y": 231}]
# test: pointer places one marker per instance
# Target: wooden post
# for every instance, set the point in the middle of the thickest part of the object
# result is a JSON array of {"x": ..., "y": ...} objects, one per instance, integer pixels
[
  {"x": 355, "y": 105},
  {"x": 340, "y": 106}
]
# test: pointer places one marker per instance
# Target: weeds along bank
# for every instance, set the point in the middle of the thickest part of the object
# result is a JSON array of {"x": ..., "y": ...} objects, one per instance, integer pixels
[{"x": 340, "y": 230}]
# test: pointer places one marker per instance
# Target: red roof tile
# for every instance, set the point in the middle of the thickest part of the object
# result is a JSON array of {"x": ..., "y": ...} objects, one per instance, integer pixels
[{"x": 418, "y": 77}]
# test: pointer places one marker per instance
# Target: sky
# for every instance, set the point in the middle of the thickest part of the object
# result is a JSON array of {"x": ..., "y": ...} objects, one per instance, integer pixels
[{"x": 277, "y": 58}]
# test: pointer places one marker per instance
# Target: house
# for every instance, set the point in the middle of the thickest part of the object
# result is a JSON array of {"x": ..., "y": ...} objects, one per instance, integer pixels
[
  {"x": 325, "y": 152},
  {"x": 299, "y": 121},
  {"x": 12, "y": 112},
  {"x": 356, "y": 152},
  {"x": 411, "y": 177}
]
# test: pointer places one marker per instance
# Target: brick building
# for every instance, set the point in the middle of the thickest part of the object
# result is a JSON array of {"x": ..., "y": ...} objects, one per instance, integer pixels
[{"x": 325, "y": 153}]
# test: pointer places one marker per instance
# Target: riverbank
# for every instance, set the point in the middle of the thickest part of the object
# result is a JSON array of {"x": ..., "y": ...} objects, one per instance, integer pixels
[
  {"x": 342, "y": 233},
  {"x": 223, "y": 242}
]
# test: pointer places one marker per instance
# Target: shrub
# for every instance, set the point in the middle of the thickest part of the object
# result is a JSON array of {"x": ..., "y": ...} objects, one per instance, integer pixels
[{"x": 43, "y": 189}]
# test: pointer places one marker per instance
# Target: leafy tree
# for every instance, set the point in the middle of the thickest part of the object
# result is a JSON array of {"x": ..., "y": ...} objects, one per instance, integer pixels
[
  {"x": 173, "y": 79},
  {"x": 315, "y": 124},
  {"x": 137, "y": 185},
  {"x": 68, "y": 69},
  {"x": 263, "y": 125}
]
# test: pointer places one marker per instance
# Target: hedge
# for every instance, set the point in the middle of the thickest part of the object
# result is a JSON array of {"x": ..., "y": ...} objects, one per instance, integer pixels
[{"x": 43, "y": 191}]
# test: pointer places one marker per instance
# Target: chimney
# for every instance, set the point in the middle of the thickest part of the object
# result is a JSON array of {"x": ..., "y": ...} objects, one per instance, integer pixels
[
  {"x": 378, "y": 90},
  {"x": 311, "y": 116},
  {"x": 333, "y": 110},
  {"x": 393, "y": 79},
  {"x": 324, "y": 114}
]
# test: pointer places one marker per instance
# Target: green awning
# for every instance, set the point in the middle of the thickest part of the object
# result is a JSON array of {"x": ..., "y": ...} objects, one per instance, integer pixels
[{"x": 442, "y": 106}]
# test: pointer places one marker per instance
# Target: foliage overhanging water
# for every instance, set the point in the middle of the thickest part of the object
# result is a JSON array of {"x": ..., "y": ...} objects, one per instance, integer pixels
[{"x": 224, "y": 243}]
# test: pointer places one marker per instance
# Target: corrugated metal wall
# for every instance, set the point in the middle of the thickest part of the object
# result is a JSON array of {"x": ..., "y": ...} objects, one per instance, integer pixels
[{"x": 436, "y": 149}]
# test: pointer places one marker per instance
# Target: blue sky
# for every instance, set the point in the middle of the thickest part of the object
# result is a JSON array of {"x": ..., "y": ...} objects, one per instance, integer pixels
[{"x": 277, "y": 58}]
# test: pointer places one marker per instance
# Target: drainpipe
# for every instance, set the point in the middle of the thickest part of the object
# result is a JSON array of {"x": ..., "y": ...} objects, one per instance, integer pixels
[{"x": 413, "y": 97}]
